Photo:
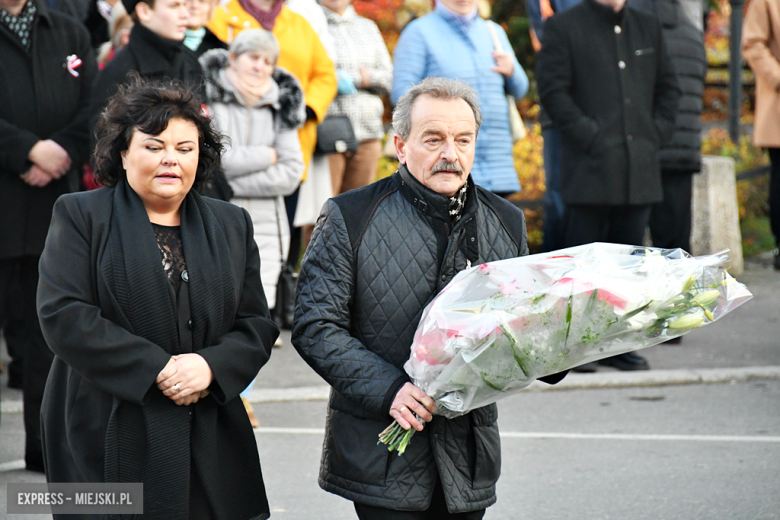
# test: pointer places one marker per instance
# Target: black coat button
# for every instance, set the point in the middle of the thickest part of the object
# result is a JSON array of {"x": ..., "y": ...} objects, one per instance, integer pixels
[
  {"x": 185, "y": 276},
  {"x": 189, "y": 324}
]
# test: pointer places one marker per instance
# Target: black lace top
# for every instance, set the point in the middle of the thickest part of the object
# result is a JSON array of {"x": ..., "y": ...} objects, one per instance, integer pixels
[{"x": 171, "y": 252}]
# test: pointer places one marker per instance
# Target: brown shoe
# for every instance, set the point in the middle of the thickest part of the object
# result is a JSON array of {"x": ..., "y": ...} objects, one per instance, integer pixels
[{"x": 253, "y": 420}]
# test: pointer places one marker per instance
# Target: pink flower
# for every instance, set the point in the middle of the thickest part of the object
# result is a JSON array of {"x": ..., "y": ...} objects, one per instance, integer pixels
[
  {"x": 507, "y": 289},
  {"x": 485, "y": 268},
  {"x": 603, "y": 294}
]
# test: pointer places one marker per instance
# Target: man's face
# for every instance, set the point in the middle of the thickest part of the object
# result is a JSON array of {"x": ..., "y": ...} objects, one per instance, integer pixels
[
  {"x": 440, "y": 149},
  {"x": 168, "y": 18}
]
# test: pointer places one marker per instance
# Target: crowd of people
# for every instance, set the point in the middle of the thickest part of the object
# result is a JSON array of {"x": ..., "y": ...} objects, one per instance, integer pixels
[{"x": 226, "y": 136}]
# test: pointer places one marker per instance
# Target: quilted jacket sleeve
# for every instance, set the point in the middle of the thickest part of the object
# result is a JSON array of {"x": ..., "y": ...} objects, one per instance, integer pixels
[{"x": 325, "y": 296}]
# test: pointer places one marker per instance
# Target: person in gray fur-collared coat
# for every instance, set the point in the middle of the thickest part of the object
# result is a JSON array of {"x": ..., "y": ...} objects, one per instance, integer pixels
[
  {"x": 378, "y": 255},
  {"x": 259, "y": 107}
]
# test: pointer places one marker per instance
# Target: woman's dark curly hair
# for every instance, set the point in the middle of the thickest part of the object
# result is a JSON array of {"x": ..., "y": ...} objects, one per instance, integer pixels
[{"x": 148, "y": 106}]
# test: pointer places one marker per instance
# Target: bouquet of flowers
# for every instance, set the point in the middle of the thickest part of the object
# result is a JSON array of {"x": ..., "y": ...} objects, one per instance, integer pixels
[{"x": 498, "y": 327}]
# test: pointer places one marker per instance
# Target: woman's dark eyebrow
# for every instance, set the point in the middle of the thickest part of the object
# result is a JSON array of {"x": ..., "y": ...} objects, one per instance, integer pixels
[{"x": 152, "y": 138}]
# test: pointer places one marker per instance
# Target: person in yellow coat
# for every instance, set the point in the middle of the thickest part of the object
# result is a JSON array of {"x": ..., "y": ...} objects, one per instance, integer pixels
[{"x": 300, "y": 52}]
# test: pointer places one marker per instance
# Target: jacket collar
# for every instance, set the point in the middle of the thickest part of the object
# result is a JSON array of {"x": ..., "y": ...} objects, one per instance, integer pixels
[
  {"x": 607, "y": 12},
  {"x": 155, "y": 53},
  {"x": 430, "y": 203},
  {"x": 43, "y": 11},
  {"x": 455, "y": 18},
  {"x": 334, "y": 19},
  {"x": 42, "y": 14},
  {"x": 288, "y": 101}
]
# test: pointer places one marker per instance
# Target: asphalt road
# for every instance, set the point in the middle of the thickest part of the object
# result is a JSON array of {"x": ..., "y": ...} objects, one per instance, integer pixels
[
  {"x": 668, "y": 453},
  {"x": 636, "y": 452}
]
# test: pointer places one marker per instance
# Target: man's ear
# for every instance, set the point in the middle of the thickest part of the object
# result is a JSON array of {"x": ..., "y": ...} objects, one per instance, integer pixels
[
  {"x": 143, "y": 11},
  {"x": 400, "y": 148}
]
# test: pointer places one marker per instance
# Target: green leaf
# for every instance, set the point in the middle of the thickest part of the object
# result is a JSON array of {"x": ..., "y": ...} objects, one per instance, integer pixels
[
  {"x": 568, "y": 320},
  {"x": 591, "y": 302},
  {"x": 635, "y": 311}
]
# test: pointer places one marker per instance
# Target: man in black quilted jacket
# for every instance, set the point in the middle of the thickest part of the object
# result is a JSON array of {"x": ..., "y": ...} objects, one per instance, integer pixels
[{"x": 378, "y": 255}]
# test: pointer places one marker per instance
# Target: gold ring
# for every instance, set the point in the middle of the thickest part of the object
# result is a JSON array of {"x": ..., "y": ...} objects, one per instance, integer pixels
[
  {"x": 402, "y": 409},
  {"x": 177, "y": 387}
]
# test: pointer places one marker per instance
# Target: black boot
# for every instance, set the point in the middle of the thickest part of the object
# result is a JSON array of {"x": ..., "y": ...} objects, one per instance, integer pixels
[{"x": 627, "y": 361}]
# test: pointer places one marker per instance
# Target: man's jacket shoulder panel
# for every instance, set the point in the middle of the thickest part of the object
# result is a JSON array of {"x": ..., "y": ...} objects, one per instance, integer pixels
[{"x": 357, "y": 207}]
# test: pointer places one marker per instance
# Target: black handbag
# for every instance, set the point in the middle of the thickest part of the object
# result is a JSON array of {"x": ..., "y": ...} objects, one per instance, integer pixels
[
  {"x": 284, "y": 310},
  {"x": 335, "y": 135}
]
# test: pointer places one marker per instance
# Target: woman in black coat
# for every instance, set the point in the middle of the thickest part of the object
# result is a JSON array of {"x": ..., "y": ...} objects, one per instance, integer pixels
[{"x": 150, "y": 299}]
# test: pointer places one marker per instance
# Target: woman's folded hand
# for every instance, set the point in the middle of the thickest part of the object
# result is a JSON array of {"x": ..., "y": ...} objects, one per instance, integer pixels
[{"x": 185, "y": 379}]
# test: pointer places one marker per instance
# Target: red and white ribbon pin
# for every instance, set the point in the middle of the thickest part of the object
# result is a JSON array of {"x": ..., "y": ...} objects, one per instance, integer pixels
[{"x": 73, "y": 63}]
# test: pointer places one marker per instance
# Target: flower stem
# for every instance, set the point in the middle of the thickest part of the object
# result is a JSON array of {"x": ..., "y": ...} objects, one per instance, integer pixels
[{"x": 396, "y": 437}]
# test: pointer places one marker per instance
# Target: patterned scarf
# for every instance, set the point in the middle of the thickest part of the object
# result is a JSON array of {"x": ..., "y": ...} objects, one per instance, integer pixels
[
  {"x": 20, "y": 25},
  {"x": 458, "y": 204},
  {"x": 265, "y": 18}
]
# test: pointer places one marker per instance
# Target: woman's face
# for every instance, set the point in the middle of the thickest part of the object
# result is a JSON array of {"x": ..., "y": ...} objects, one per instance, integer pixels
[
  {"x": 337, "y": 6},
  {"x": 161, "y": 168},
  {"x": 462, "y": 7},
  {"x": 200, "y": 13},
  {"x": 254, "y": 67}
]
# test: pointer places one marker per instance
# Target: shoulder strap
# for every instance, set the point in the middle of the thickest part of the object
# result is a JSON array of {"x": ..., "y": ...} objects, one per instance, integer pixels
[{"x": 491, "y": 25}]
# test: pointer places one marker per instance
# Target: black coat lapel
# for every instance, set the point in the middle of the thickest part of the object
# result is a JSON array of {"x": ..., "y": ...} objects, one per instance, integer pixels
[{"x": 212, "y": 292}]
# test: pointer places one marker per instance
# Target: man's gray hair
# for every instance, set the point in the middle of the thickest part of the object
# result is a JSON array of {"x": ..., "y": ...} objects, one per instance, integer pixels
[
  {"x": 255, "y": 40},
  {"x": 437, "y": 88}
]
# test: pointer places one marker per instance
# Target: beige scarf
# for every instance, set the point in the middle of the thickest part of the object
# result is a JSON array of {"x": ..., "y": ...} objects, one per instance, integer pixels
[{"x": 250, "y": 92}]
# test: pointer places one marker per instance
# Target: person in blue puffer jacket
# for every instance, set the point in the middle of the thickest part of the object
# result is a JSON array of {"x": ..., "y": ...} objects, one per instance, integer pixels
[{"x": 454, "y": 42}]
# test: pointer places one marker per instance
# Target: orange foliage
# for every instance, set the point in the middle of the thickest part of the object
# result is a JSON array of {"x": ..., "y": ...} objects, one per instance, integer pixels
[{"x": 391, "y": 15}]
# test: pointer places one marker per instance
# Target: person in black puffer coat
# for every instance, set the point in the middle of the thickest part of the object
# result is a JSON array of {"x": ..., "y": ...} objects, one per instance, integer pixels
[
  {"x": 670, "y": 220},
  {"x": 378, "y": 255}
]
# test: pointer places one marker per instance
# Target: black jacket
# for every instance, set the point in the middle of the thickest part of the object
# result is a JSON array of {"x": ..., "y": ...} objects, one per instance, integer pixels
[
  {"x": 153, "y": 57},
  {"x": 208, "y": 43},
  {"x": 378, "y": 255},
  {"x": 41, "y": 100},
  {"x": 685, "y": 43},
  {"x": 107, "y": 312},
  {"x": 607, "y": 82}
]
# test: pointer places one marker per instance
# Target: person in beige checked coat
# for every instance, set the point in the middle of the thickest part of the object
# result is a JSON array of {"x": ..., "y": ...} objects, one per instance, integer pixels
[{"x": 761, "y": 49}]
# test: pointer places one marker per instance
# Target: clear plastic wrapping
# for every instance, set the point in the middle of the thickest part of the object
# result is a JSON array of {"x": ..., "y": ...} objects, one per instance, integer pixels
[{"x": 499, "y": 326}]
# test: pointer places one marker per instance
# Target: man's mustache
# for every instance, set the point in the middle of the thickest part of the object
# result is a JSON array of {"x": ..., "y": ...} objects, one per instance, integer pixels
[{"x": 447, "y": 166}]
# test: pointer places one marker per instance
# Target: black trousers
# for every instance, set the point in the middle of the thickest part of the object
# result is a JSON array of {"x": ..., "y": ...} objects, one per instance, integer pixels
[
  {"x": 37, "y": 356},
  {"x": 436, "y": 511},
  {"x": 670, "y": 220},
  {"x": 12, "y": 323},
  {"x": 614, "y": 224},
  {"x": 774, "y": 193}
]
